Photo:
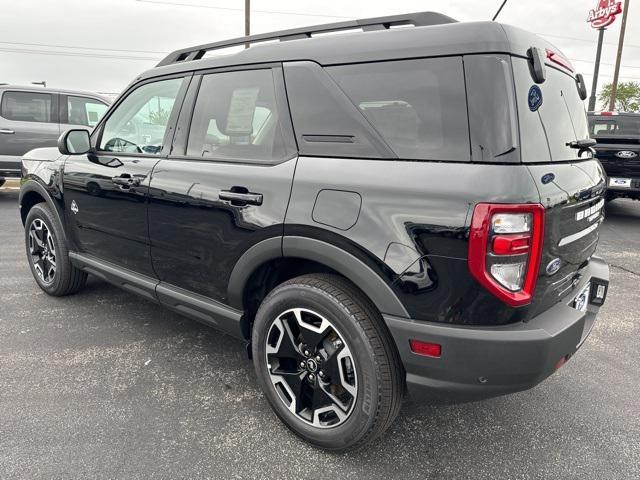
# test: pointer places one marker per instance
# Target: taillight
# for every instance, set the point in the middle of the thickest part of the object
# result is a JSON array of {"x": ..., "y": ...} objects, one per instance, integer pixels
[{"x": 505, "y": 245}]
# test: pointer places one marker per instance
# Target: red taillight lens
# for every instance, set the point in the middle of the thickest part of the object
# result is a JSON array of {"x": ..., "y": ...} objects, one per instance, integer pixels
[
  {"x": 505, "y": 246},
  {"x": 426, "y": 349}
]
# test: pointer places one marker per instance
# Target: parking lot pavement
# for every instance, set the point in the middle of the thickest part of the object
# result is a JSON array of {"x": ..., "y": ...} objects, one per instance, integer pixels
[{"x": 104, "y": 384}]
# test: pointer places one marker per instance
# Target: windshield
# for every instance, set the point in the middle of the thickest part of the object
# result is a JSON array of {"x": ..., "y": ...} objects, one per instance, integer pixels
[
  {"x": 614, "y": 126},
  {"x": 557, "y": 118}
]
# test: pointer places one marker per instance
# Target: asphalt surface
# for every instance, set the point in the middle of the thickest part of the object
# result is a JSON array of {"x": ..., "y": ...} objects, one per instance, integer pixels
[{"x": 106, "y": 385}]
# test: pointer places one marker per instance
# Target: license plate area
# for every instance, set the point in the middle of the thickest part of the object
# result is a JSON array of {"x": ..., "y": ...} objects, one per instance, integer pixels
[{"x": 581, "y": 300}]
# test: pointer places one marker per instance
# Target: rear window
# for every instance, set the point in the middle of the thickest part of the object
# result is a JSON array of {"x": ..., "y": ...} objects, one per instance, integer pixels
[
  {"x": 559, "y": 119},
  {"x": 26, "y": 107},
  {"x": 417, "y": 106},
  {"x": 614, "y": 126}
]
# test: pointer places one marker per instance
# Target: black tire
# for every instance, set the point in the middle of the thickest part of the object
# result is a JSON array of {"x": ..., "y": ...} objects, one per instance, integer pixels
[
  {"x": 66, "y": 279},
  {"x": 378, "y": 371}
]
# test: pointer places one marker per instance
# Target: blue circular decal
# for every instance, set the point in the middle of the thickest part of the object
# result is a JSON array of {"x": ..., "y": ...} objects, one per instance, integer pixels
[
  {"x": 535, "y": 98},
  {"x": 548, "y": 178}
]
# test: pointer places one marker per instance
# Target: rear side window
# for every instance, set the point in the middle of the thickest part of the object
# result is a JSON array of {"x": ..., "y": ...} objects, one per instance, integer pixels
[
  {"x": 27, "y": 107},
  {"x": 417, "y": 106},
  {"x": 235, "y": 117},
  {"x": 84, "y": 111}
]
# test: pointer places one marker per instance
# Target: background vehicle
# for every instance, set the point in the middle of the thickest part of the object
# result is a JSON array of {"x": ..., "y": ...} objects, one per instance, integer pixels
[
  {"x": 406, "y": 207},
  {"x": 32, "y": 117},
  {"x": 618, "y": 149}
]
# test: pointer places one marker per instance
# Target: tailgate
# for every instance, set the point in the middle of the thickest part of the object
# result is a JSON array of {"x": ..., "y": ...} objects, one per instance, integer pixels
[{"x": 573, "y": 197}]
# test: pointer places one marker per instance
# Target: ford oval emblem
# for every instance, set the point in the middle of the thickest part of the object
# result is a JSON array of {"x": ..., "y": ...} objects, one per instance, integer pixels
[
  {"x": 626, "y": 154},
  {"x": 553, "y": 266},
  {"x": 548, "y": 178},
  {"x": 534, "y": 98}
]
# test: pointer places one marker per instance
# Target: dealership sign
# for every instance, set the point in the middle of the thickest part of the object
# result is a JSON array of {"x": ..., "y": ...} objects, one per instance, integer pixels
[{"x": 604, "y": 14}]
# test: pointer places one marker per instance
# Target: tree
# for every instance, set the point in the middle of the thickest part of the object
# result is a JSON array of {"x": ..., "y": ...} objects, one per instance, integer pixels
[{"x": 627, "y": 96}]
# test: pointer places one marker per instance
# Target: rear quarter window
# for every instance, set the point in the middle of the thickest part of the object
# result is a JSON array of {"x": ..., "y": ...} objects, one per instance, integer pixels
[{"x": 417, "y": 106}]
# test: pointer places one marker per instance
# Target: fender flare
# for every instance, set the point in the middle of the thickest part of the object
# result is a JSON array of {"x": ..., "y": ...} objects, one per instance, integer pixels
[
  {"x": 330, "y": 255},
  {"x": 34, "y": 186}
]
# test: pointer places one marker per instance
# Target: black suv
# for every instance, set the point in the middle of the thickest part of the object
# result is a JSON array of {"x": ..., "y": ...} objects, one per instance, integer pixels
[
  {"x": 376, "y": 211},
  {"x": 618, "y": 149}
]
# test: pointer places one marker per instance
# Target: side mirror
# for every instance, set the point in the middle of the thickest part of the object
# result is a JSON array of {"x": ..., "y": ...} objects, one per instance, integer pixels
[{"x": 74, "y": 142}]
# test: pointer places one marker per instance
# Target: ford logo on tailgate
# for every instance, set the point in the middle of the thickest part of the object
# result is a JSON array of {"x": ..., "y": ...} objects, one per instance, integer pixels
[{"x": 626, "y": 154}]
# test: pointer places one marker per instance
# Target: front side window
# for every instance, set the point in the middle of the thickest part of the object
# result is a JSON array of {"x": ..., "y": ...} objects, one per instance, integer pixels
[
  {"x": 26, "y": 107},
  {"x": 417, "y": 106},
  {"x": 139, "y": 122},
  {"x": 235, "y": 117},
  {"x": 84, "y": 111}
]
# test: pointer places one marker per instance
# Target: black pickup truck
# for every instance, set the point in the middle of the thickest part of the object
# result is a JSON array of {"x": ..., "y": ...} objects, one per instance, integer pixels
[{"x": 618, "y": 149}]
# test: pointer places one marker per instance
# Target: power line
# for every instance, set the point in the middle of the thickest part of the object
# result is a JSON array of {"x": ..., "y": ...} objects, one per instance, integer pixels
[
  {"x": 80, "y": 48},
  {"x": 76, "y": 54},
  {"x": 584, "y": 39},
  {"x": 300, "y": 14},
  {"x": 603, "y": 63}
]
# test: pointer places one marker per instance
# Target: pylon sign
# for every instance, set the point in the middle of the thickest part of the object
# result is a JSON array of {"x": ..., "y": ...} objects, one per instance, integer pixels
[{"x": 604, "y": 14}]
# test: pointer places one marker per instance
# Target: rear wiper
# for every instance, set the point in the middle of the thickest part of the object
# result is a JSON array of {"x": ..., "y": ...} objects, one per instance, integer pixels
[{"x": 584, "y": 145}]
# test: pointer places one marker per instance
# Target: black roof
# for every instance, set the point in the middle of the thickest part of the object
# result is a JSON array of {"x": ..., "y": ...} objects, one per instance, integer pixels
[{"x": 433, "y": 35}]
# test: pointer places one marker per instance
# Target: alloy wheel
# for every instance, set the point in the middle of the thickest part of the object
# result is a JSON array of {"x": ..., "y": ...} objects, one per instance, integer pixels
[
  {"x": 42, "y": 250},
  {"x": 311, "y": 368}
]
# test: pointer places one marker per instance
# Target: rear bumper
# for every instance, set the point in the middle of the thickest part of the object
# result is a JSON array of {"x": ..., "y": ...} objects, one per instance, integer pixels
[{"x": 490, "y": 361}]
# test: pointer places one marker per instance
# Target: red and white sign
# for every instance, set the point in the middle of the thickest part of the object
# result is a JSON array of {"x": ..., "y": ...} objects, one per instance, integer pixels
[{"x": 604, "y": 14}]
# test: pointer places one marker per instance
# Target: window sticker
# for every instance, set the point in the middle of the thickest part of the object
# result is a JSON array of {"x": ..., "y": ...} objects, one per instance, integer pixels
[
  {"x": 241, "y": 110},
  {"x": 535, "y": 98}
]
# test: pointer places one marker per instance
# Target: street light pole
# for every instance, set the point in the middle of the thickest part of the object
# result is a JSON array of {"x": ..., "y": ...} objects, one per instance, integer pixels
[
  {"x": 614, "y": 87},
  {"x": 247, "y": 20},
  {"x": 596, "y": 70}
]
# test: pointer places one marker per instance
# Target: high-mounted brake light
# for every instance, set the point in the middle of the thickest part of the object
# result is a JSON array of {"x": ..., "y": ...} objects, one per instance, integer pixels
[
  {"x": 505, "y": 246},
  {"x": 558, "y": 59}
]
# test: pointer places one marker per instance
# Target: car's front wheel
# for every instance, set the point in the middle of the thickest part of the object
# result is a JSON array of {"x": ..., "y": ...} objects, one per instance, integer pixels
[
  {"x": 48, "y": 254},
  {"x": 326, "y": 362}
]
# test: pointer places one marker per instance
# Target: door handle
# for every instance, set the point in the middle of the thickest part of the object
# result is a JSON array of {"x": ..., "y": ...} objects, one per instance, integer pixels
[
  {"x": 6, "y": 131},
  {"x": 126, "y": 180},
  {"x": 239, "y": 197}
]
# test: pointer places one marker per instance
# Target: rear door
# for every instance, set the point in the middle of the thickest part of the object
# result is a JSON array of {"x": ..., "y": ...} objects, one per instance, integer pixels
[
  {"x": 28, "y": 120},
  {"x": 105, "y": 191},
  {"x": 226, "y": 185}
]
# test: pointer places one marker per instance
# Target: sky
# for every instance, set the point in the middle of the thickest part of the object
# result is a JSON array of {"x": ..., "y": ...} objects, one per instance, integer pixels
[{"x": 101, "y": 45}]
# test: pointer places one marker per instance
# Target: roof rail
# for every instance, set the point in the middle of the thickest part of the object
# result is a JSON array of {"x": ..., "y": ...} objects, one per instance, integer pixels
[{"x": 418, "y": 19}]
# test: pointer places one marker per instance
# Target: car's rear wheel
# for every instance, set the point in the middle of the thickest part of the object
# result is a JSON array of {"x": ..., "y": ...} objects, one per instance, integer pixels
[
  {"x": 326, "y": 362},
  {"x": 48, "y": 253}
]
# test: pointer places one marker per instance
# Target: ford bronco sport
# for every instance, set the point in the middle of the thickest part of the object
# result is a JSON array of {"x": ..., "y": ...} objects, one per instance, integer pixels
[{"x": 394, "y": 209}]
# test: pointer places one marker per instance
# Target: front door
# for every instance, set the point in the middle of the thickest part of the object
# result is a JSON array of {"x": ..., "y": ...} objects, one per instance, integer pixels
[
  {"x": 105, "y": 191},
  {"x": 226, "y": 185}
]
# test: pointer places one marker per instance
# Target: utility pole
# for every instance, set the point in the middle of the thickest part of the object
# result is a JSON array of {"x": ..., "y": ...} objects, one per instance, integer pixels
[
  {"x": 614, "y": 87},
  {"x": 596, "y": 70},
  {"x": 498, "y": 12},
  {"x": 247, "y": 20}
]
